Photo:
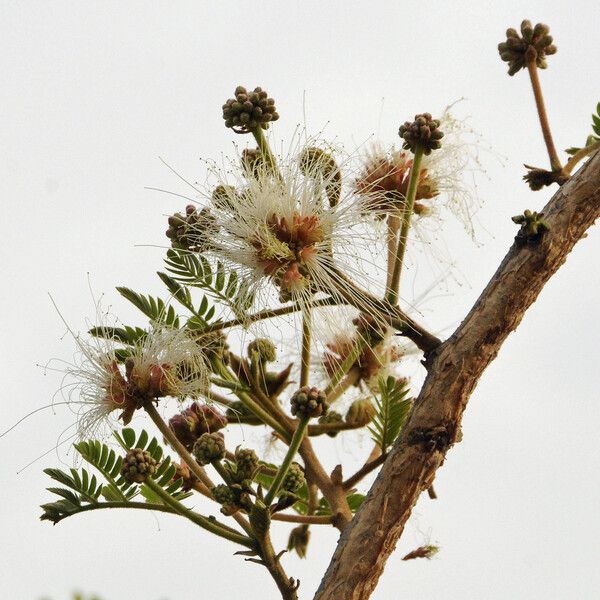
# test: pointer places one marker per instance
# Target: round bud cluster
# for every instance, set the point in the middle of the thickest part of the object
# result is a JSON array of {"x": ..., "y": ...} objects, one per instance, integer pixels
[
  {"x": 294, "y": 479},
  {"x": 264, "y": 349},
  {"x": 223, "y": 494},
  {"x": 309, "y": 402},
  {"x": 209, "y": 447},
  {"x": 332, "y": 417},
  {"x": 246, "y": 463},
  {"x": 249, "y": 110},
  {"x": 360, "y": 413},
  {"x": 423, "y": 132},
  {"x": 534, "y": 44},
  {"x": 193, "y": 231},
  {"x": 138, "y": 465}
]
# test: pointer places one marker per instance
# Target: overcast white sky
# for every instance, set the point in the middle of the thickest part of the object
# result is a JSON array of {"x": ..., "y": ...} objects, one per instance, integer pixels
[{"x": 93, "y": 92}]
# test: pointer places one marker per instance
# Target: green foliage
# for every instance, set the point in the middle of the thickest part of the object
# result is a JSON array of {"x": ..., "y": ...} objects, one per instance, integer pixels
[
  {"x": 593, "y": 138},
  {"x": 194, "y": 270},
  {"x": 83, "y": 492},
  {"x": 126, "y": 335},
  {"x": 154, "y": 308},
  {"x": 201, "y": 315},
  {"x": 392, "y": 408}
]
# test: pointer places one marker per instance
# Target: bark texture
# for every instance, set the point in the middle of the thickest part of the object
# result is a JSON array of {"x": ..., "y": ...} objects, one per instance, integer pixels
[{"x": 454, "y": 370}]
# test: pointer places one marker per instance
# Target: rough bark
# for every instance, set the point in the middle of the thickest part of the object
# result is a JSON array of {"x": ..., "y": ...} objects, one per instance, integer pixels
[{"x": 454, "y": 370}]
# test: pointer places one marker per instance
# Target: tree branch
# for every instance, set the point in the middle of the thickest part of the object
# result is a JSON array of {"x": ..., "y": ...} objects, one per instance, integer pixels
[{"x": 455, "y": 368}]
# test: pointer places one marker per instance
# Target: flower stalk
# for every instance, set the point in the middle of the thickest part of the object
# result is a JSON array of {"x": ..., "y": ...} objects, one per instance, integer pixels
[
  {"x": 306, "y": 338},
  {"x": 287, "y": 461},
  {"x": 407, "y": 213},
  {"x": 542, "y": 114}
]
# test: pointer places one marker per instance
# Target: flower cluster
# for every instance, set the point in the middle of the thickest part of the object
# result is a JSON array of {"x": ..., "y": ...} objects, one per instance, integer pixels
[{"x": 107, "y": 378}]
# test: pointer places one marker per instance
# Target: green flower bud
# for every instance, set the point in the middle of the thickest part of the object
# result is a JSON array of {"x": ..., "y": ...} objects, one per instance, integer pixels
[
  {"x": 264, "y": 349},
  {"x": 209, "y": 447},
  {"x": 308, "y": 402},
  {"x": 246, "y": 463},
  {"x": 138, "y": 465},
  {"x": 533, "y": 226},
  {"x": 294, "y": 479},
  {"x": 360, "y": 413},
  {"x": 330, "y": 418},
  {"x": 224, "y": 495}
]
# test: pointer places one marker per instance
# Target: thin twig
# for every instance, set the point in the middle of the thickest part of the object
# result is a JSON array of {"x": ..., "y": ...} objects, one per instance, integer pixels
[
  {"x": 542, "y": 114},
  {"x": 305, "y": 519},
  {"x": 363, "y": 472}
]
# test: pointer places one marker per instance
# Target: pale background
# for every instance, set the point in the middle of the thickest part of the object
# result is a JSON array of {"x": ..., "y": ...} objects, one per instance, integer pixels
[{"x": 93, "y": 92}]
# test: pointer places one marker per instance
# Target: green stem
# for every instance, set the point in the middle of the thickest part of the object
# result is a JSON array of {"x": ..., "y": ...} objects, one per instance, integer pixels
[
  {"x": 248, "y": 402},
  {"x": 211, "y": 525},
  {"x": 287, "y": 461},
  {"x": 393, "y": 224},
  {"x": 411, "y": 194},
  {"x": 306, "y": 335},
  {"x": 263, "y": 146},
  {"x": 195, "y": 468},
  {"x": 220, "y": 469},
  {"x": 234, "y": 386}
]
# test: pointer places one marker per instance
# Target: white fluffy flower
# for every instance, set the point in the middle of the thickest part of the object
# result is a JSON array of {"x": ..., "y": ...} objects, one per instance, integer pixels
[
  {"x": 446, "y": 177},
  {"x": 102, "y": 387},
  {"x": 298, "y": 230}
]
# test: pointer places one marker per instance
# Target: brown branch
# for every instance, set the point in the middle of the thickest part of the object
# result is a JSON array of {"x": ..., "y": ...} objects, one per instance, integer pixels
[
  {"x": 262, "y": 315},
  {"x": 455, "y": 368},
  {"x": 364, "y": 471},
  {"x": 308, "y": 519}
]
